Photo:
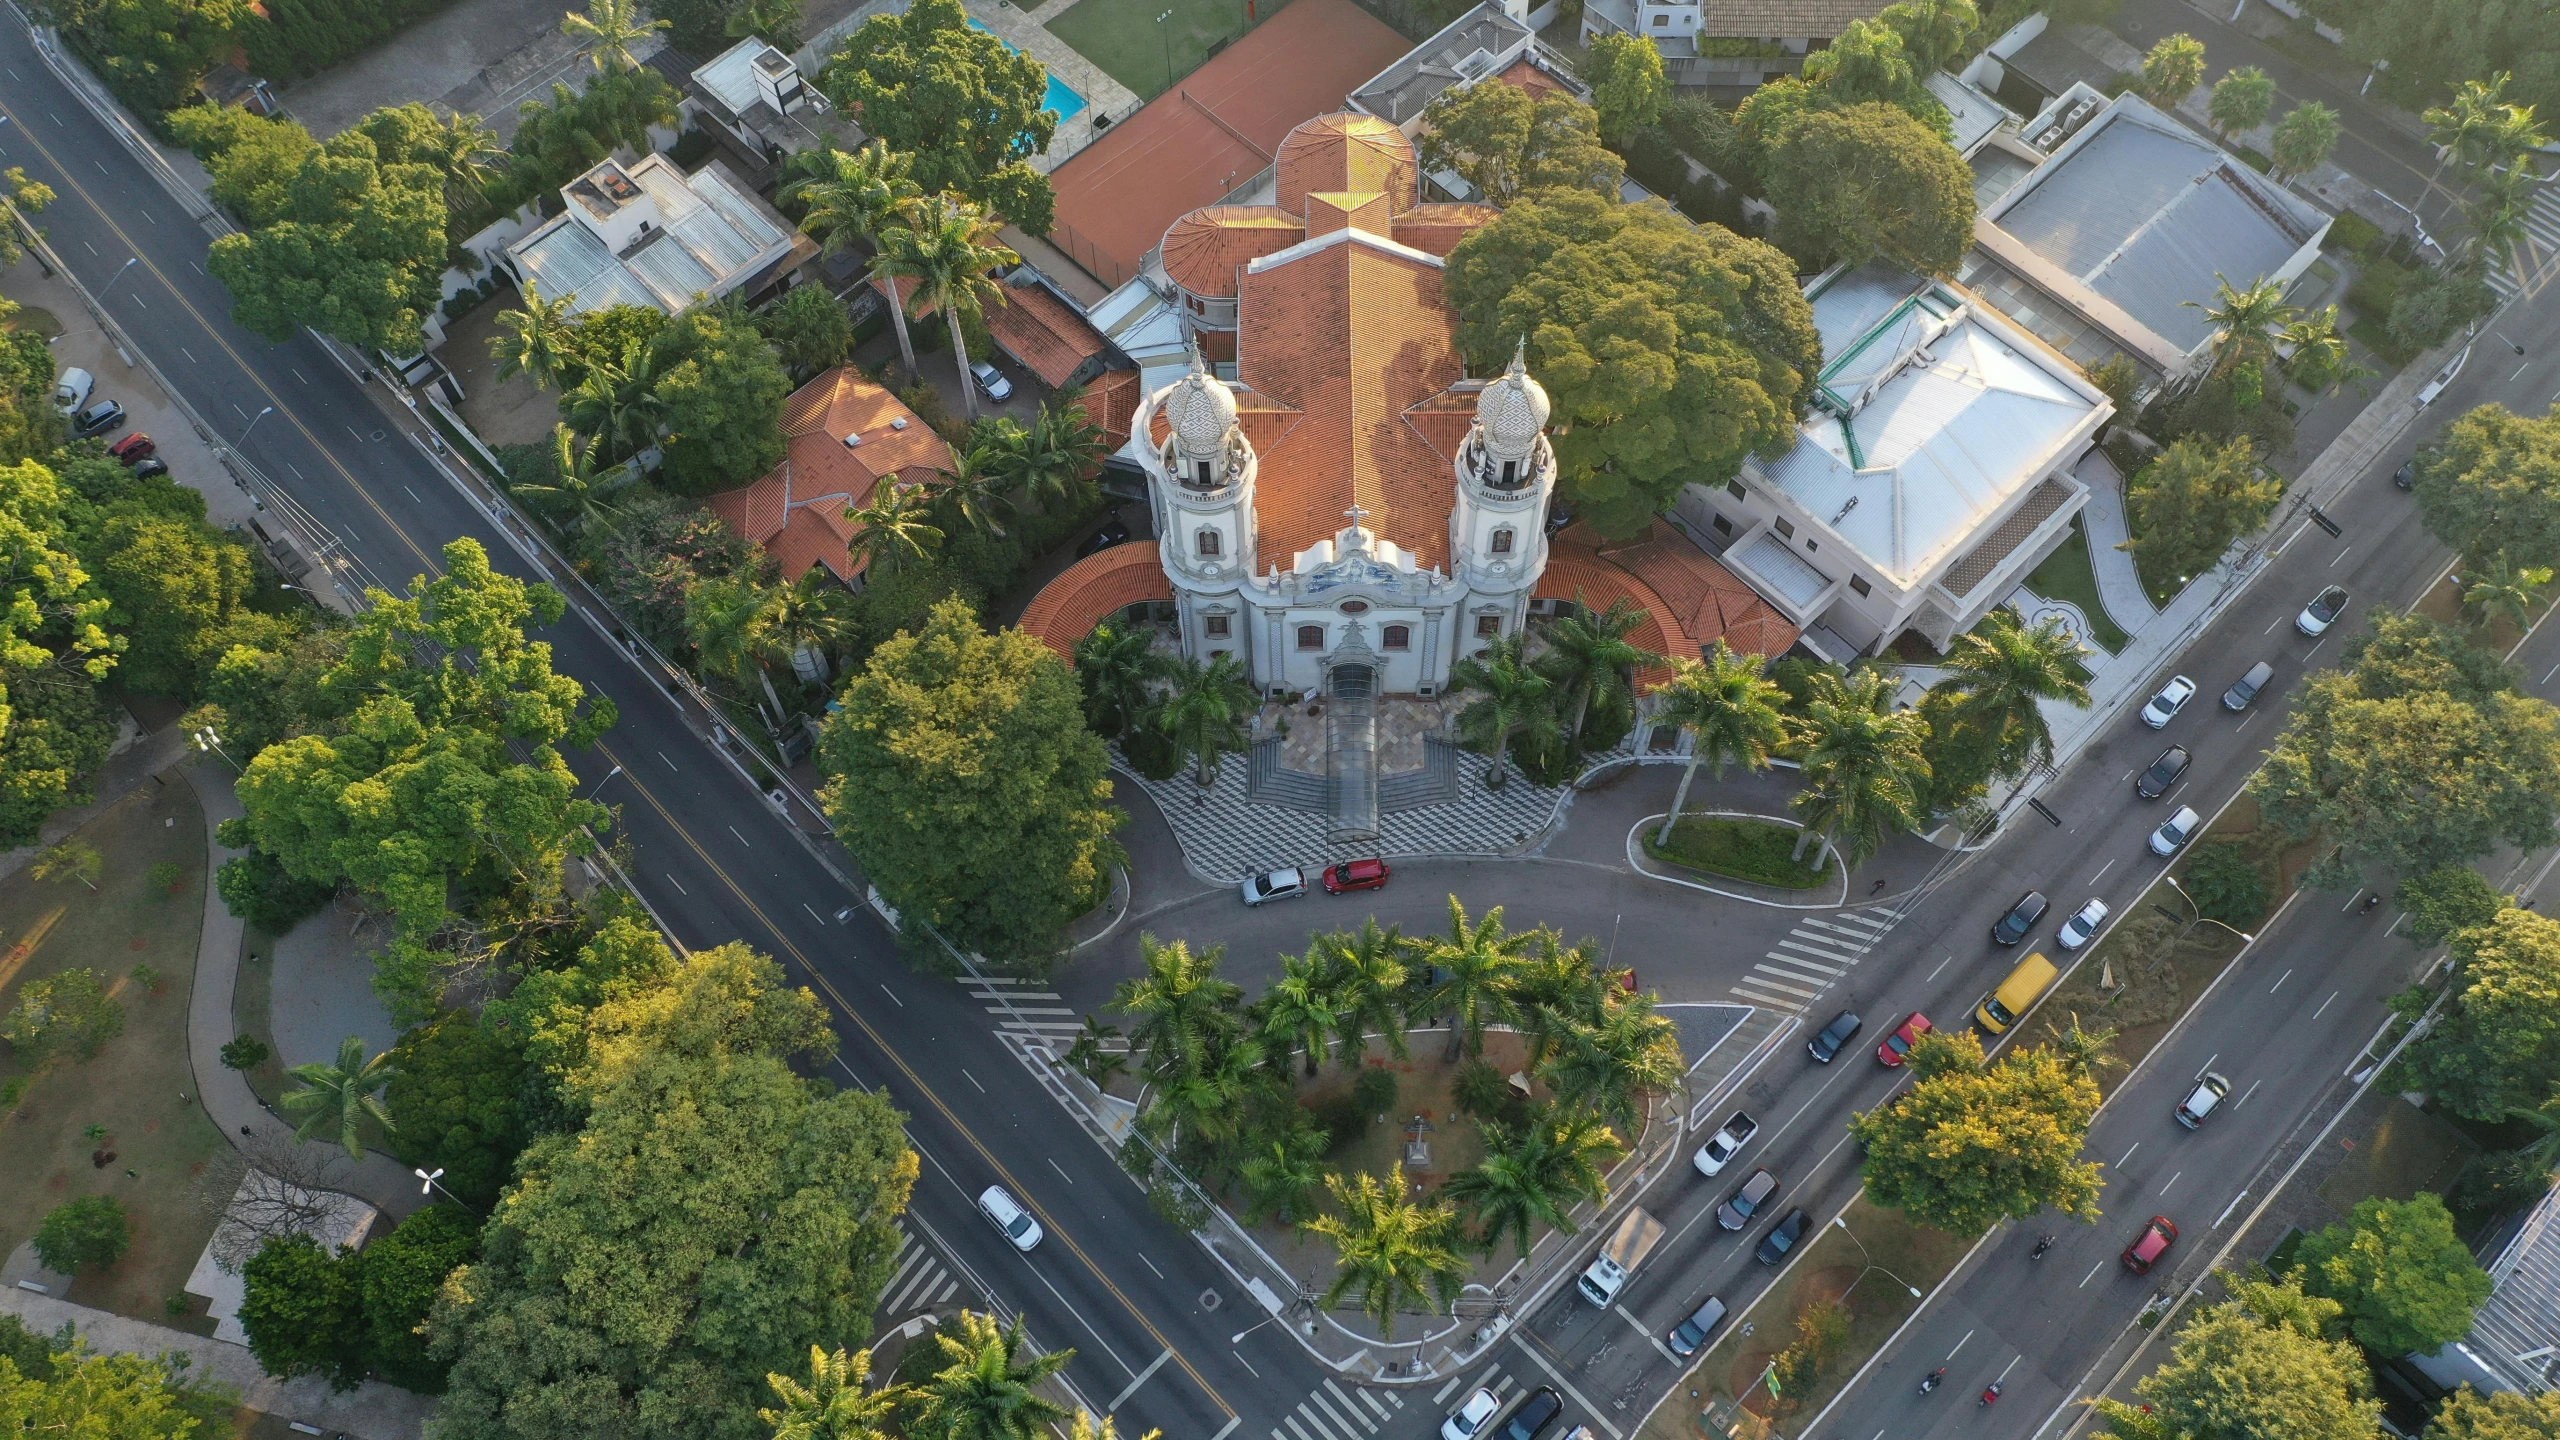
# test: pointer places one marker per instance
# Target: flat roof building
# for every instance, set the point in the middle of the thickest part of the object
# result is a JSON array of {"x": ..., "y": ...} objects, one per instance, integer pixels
[{"x": 648, "y": 234}]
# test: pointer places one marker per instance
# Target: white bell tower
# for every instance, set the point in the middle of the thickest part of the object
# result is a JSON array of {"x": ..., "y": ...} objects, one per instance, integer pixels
[
  {"x": 1203, "y": 485},
  {"x": 1506, "y": 472}
]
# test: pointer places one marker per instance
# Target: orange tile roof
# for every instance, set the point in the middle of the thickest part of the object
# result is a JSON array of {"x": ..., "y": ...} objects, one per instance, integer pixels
[
  {"x": 1347, "y": 151},
  {"x": 1091, "y": 590},
  {"x": 1586, "y": 578},
  {"x": 1044, "y": 332},
  {"x": 1112, "y": 403},
  {"x": 1438, "y": 228},
  {"x": 1537, "y": 82},
  {"x": 797, "y": 511},
  {"x": 1204, "y": 249},
  {"x": 1712, "y": 602}
]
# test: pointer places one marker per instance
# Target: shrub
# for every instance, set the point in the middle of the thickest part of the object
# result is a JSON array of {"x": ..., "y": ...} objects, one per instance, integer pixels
[
  {"x": 256, "y": 888},
  {"x": 66, "y": 1012},
  {"x": 1340, "y": 1118},
  {"x": 166, "y": 875},
  {"x": 246, "y": 1052},
  {"x": 1374, "y": 1093},
  {"x": 91, "y": 1231},
  {"x": 2227, "y": 884},
  {"x": 2357, "y": 236}
]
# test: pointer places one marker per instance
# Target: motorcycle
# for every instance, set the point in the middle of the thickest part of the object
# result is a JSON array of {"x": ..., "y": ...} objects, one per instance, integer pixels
[
  {"x": 1990, "y": 1393},
  {"x": 2043, "y": 1243},
  {"x": 2369, "y": 902},
  {"x": 1933, "y": 1379}
]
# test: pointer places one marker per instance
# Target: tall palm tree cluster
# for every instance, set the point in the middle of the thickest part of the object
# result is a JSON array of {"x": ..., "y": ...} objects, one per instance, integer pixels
[
  {"x": 1548, "y": 695},
  {"x": 2496, "y": 141},
  {"x": 972, "y": 1379},
  {"x": 1220, "y": 1081},
  {"x": 1166, "y": 710}
]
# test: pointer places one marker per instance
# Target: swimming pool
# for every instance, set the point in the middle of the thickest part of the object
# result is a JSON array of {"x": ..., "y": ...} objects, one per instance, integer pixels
[{"x": 1062, "y": 96}]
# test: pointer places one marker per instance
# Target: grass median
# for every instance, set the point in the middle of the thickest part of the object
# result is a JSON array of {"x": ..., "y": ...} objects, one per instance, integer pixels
[{"x": 1761, "y": 851}]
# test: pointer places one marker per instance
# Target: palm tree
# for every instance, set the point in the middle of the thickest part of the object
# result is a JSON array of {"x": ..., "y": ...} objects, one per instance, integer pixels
[
  {"x": 534, "y": 339},
  {"x": 1864, "y": 772},
  {"x": 1204, "y": 712},
  {"x": 805, "y": 623},
  {"x": 1370, "y": 973},
  {"x": 1396, "y": 1252},
  {"x": 2241, "y": 100},
  {"x": 2304, "y": 138},
  {"x": 1591, "y": 660},
  {"x": 1118, "y": 667},
  {"x": 836, "y": 1404},
  {"x": 775, "y": 22},
  {"x": 468, "y": 152},
  {"x": 2544, "y": 1152},
  {"x": 1208, "y": 1098},
  {"x": 987, "y": 1391},
  {"x": 2503, "y": 588},
  {"x": 2497, "y": 217},
  {"x": 1299, "y": 1013},
  {"x": 1516, "y": 699},
  {"x": 2471, "y": 125},
  {"x": 1091, "y": 1055},
  {"x": 607, "y": 32},
  {"x": 1731, "y": 715},
  {"x": 2003, "y": 672},
  {"x": 1608, "y": 1067},
  {"x": 1180, "y": 1006},
  {"x": 894, "y": 529},
  {"x": 1556, "y": 987},
  {"x": 2087, "y": 1053},
  {"x": 577, "y": 493},
  {"x": 1531, "y": 1178},
  {"x": 2244, "y": 320},
  {"x": 2319, "y": 360},
  {"x": 618, "y": 401},
  {"x": 1478, "y": 960},
  {"x": 1285, "y": 1175},
  {"x": 949, "y": 244},
  {"x": 340, "y": 1095},
  {"x": 971, "y": 492},
  {"x": 720, "y": 618},
  {"x": 855, "y": 197},
  {"x": 1061, "y": 449}
]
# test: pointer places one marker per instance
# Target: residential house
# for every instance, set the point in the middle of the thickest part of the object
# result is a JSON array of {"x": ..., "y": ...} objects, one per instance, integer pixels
[
  {"x": 847, "y": 437},
  {"x": 646, "y": 233}
]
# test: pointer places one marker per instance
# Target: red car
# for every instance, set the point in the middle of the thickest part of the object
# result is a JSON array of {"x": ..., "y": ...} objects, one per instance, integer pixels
[
  {"x": 1355, "y": 875},
  {"x": 2150, "y": 1245},
  {"x": 1898, "y": 1044},
  {"x": 134, "y": 448}
]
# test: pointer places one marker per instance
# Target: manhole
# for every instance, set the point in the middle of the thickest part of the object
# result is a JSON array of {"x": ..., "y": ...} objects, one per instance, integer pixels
[
  {"x": 377, "y": 434},
  {"x": 1208, "y": 1299}
]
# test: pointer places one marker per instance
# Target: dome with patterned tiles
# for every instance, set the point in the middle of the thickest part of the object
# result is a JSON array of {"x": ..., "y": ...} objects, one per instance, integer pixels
[
  {"x": 1513, "y": 410},
  {"x": 1201, "y": 410}
]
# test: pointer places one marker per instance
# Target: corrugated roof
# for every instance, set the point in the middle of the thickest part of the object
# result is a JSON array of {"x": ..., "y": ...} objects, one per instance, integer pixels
[
  {"x": 713, "y": 236},
  {"x": 2522, "y": 1315}
]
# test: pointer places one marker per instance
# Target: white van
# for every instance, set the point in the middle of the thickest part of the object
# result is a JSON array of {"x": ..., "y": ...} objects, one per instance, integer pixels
[
  {"x": 72, "y": 390},
  {"x": 2176, "y": 831}
]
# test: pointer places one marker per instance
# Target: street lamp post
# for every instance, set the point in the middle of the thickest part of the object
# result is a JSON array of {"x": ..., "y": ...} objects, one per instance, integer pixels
[
  {"x": 253, "y": 423},
  {"x": 112, "y": 279},
  {"x": 1843, "y": 1222},
  {"x": 209, "y": 743},
  {"x": 608, "y": 776},
  {"x": 1168, "y": 47},
  {"x": 431, "y": 1177},
  {"x": 2202, "y": 918}
]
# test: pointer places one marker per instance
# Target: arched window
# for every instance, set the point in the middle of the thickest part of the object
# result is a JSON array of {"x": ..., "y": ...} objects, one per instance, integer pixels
[
  {"x": 1205, "y": 478},
  {"x": 1210, "y": 542},
  {"x": 1310, "y": 637},
  {"x": 1502, "y": 541},
  {"x": 1510, "y": 473},
  {"x": 1397, "y": 637}
]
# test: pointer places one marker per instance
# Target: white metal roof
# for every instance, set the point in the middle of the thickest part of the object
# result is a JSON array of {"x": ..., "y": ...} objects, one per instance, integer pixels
[{"x": 713, "y": 236}]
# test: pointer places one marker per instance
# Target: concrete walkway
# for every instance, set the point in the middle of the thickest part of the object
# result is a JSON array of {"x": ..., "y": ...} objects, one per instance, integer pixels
[
  {"x": 378, "y": 1179},
  {"x": 372, "y": 1410},
  {"x": 2119, "y": 585}
]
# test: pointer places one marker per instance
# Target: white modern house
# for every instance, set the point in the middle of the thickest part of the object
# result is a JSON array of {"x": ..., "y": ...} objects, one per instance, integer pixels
[{"x": 646, "y": 233}]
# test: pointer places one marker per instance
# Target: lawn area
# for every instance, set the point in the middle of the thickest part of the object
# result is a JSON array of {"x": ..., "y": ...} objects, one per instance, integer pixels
[
  {"x": 1755, "y": 850},
  {"x": 2067, "y": 574},
  {"x": 1132, "y": 47},
  {"x": 139, "y": 1086},
  {"x": 2406, "y": 1151}
]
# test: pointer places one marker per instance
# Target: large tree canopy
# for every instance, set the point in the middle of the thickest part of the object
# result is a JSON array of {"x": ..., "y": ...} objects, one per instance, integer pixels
[
  {"x": 2432, "y": 48},
  {"x": 1970, "y": 1145},
  {"x": 962, "y": 103},
  {"x": 2405, "y": 1280},
  {"x": 2255, "y": 1367},
  {"x": 356, "y": 251},
  {"x": 2498, "y": 1048},
  {"x": 2493, "y": 483},
  {"x": 1506, "y": 142},
  {"x": 1868, "y": 180},
  {"x": 1670, "y": 351},
  {"x": 721, "y": 385}
]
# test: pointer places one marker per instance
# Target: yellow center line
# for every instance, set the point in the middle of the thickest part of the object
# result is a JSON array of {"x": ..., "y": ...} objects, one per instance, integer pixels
[{"x": 1023, "y": 1191}]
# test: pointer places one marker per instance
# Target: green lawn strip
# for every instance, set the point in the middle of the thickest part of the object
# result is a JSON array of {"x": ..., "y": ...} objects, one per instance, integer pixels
[
  {"x": 251, "y": 999},
  {"x": 2068, "y": 574},
  {"x": 1760, "y": 851},
  {"x": 1133, "y": 47},
  {"x": 140, "y": 1085}
]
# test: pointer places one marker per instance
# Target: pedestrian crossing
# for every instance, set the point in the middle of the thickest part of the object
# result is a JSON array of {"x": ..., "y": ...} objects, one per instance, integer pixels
[
  {"x": 2537, "y": 248},
  {"x": 921, "y": 1281},
  {"x": 1816, "y": 955},
  {"x": 1024, "y": 1007},
  {"x": 1334, "y": 1411}
]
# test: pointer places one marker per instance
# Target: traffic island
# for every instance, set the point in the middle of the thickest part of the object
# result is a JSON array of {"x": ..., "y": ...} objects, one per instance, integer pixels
[{"x": 1740, "y": 847}]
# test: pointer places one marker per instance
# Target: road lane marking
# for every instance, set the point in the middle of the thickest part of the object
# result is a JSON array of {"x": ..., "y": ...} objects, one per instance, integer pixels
[
  {"x": 893, "y": 995},
  {"x": 1943, "y": 964},
  {"x": 1791, "y": 975},
  {"x": 2085, "y": 1279},
  {"x": 2351, "y": 900},
  {"x": 813, "y": 912},
  {"x": 2271, "y": 629},
  {"x": 1959, "y": 1345},
  {"x": 2164, "y": 1189},
  {"x": 972, "y": 1079},
  {"x": 1235, "y": 1420},
  {"x": 670, "y": 763},
  {"x": 2325, "y": 1004},
  {"x": 679, "y": 888},
  {"x": 2234, "y": 1205},
  {"x": 1655, "y": 1340},
  {"x": 2005, "y": 1369},
  {"x": 743, "y": 840},
  {"x": 1567, "y": 1386},
  {"x": 1143, "y": 1376},
  {"x": 2129, "y": 1154},
  {"x": 1348, "y": 1427},
  {"x": 2244, "y": 1098},
  {"x": 2102, "y": 871},
  {"x": 2341, "y": 555},
  {"x": 2287, "y": 975},
  {"x": 1150, "y": 1264}
]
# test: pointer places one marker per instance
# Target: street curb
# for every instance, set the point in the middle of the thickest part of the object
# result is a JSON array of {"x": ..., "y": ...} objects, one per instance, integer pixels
[{"x": 1636, "y": 862}]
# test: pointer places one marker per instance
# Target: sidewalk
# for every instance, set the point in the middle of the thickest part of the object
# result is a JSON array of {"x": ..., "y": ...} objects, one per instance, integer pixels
[{"x": 2119, "y": 584}]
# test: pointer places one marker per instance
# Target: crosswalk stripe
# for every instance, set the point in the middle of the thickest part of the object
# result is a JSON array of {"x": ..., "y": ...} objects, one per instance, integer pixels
[
  {"x": 1317, "y": 1424},
  {"x": 1348, "y": 1427},
  {"x": 1770, "y": 1000},
  {"x": 1819, "y": 983},
  {"x": 1295, "y": 1428},
  {"x": 1782, "y": 985},
  {"x": 1856, "y": 919},
  {"x": 1859, "y": 938},
  {"x": 1371, "y": 1397},
  {"x": 1820, "y": 955},
  {"x": 1031, "y": 1010},
  {"x": 1355, "y": 1410}
]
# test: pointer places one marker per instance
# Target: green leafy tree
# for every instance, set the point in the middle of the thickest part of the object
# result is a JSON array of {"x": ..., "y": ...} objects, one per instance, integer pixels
[
  {"x": 2254, "y": 1367},
  {"x": 151, "y": 53},
  {"x": 2227, "y": 884},
  {"x": 1531, "y": 1178},
  {"x": 2191, "y": 502},
  {"x": 2173, "y": 67},
  {"x": 2447, "y": 899},
  {"x": 245, "y": 1052},
  {"x": 714, "y": 1217},
  {"x": 1970, "y": 1145},
  {"x": 1868, "y": 181},
  {"x": 65, "y": 1013},
  {"x": 837, "y": 1403},
  {"x": 356, "y": 252},
  {"x": 969, "y": 109},
  {"x": 2404, "y": 1278},
  {"x": 2241, "y": 101},
  {"x": 1117, "y": 666},
  {"x": 2002, "y": 672},
  {"x": 1627, "y": 84},
  {"x": 852, "y": 198},
  {"x": 1669, "y": 351},
  {"x": 1203, "y": 711},
  {"x": 455, "y": 1100},
  {"x": 257, "y": 889},
  {"x": 2304, "y": 138},
  {"x": 70, "y": 860},
  {"x": 809, "y": 329},
  {"x": 2246, "y": 321},
  {"x": 1513, "y": 699},
  {"x": 776, "y": 22},
  {"x": 397, "y": 1283},
  {"x": 1730, "y": 714},
  {"x": 1865, "y": 771},
  {"x": 722, "y": 387},
  {"x": 534, "y": 339},
  {"x": 577, "y": 493},
  {"x": 2498, "y": 1047},
  {"x": 304, "y": 1310},
  {"x": 989, "y": 1385},
  {"x": 340, "y": 1095},
  {"x": 1508, "y": 143},
  {"x": 1867, "y": 63},
  {"x": 2503, "y": 1415},
  {"x": 1397, "y": 1252},
  {"x": 88, "y": 1233},
  {"x": 2493, "y": 484},
  {"x": 953, "y": 731},
  {"x": 129, "y": 1397},
  {"x": 1369, "y": 972},
  {"x": 2434, "y": 303},
  {"x": 617, "y": 400},
  {"x": 176, "y": 584},
  {"x": 896, "y": 530},
  {"x": 1285, "y": 1175},
  {"x": 2474, "y": 125},
  {"x": 1934, "y": 33}
]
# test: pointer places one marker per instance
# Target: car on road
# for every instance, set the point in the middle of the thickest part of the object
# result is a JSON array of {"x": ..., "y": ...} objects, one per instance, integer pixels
[
  {"x": 2173, "y": 697},
  {"x": 2155, "y": 782},
  {"x": 2015, "y": 995},
  {"x": 2084, "y": 922},
  {"x": 1747, "y": 1198},
  {"x": 1534, "y": 1415},
  {"x": 72, "y": 390},
  {"x": 1355, "y": 875},
  {"x": 1726, "y": 1143},
  {"x": 1897, "y": 1045},
  {"x": 991, "y": 381},
  {"x": 2246, "y": 688},
  {"x": 98, "y": 419},
  {"x": 2022, "y": 918},
  {"x": 998, "y": 1205},
  {"x": 2210, "y": 1088},
  {"x": 1782, "y": 1237},
  {"x": 1843, "y": 1028},
  {"x": 135, "y": 448},
  {"x": 2322, "y": 612},
  {"x": 1272, "y": 885},
  {"x": 2147, "y": 1247},
  {"x": 1469, "y": 1419},
  {"x": 1114, "y": 531},
  {"x": 2176, "y": 831},
  {"x": 2406, "y": 477},
  {"x": 1690, "y": 1335}
]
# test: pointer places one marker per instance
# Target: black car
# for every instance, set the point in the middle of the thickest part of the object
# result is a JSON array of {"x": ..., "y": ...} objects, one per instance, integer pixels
[
  {"x": 1842, "y": 1029},
  {"x": 1534, "y": 1415},
  {"x": 1782, "y": 1237},
  {"x": 1114, "y": 531},
  {"x": 98, "y": 419},
  {"x": 2406, "y": 477},
  {"x": 2022, "y": 918},
  {"x": 2164, "y": 772},
  {"x": 150, "y": 467}
]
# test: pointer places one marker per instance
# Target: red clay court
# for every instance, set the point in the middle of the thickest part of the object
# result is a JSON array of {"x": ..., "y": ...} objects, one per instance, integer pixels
[{"x": 1213, "y": 131}]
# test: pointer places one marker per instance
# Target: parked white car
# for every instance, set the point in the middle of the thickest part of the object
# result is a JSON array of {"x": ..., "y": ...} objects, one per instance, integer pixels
[
  {"x": 2173, "y": 697},
  {"x": 990, "y": 380},
  {"x": 2084, "y": 922},
  {"x": 72, "y": 390}
]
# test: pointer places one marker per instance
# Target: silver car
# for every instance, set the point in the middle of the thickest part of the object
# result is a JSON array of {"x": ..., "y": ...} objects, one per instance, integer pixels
[
  {"x": 2173, "y": 697},
  {"x": 1272, "y": 885},
  {"x": 990, "y": 380}
]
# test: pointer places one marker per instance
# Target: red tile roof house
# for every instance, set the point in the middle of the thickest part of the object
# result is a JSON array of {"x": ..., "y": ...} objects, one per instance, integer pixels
[{"x": 847, "y": 435}]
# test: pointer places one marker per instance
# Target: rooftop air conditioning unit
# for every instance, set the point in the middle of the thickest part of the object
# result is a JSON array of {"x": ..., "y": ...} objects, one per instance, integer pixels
[
  {"x": 853, "y": 442},
  {"x": 900, "y": 423}
]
